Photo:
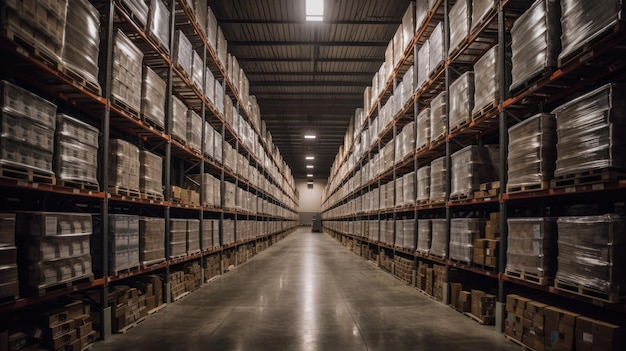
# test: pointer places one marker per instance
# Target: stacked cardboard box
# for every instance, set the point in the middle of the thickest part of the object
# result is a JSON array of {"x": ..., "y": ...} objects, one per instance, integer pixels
[
  {"x": 128, "y": 306},
  {"x": 76, "y": 151},
  {"x": 403, "y": 269},
  {"x": 531, "y": 251},
  {"x": 150, "y": 175},
  {"x": 460, "y": 299},
  {"x": 483, "y": 306},
  {"x": 487, "y": 249},
  {"x": 229, "y": 258},
  {"x": 193, "y": 236},
  {"x": 151, "y": 241},
  {"x": 440, "y": 274},
  {"x": 193, "y": 276},
  {"x": 212, "y": 266},
  {"x": 592, "y": 334},
  {"x": 124, "y": 167},
  {"x": 127, "y": 73},
  {"x": 516, "y": 325},
  {"x": 9, "y": 284},
  {"x": 438, "y": 117},
  {"x": 123, "y": 242},
  {"x": 463, "y": 234}
]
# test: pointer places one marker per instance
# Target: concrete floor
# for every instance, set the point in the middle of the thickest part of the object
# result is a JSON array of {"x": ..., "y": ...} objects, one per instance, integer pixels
[{"x": 307, "y": 293}]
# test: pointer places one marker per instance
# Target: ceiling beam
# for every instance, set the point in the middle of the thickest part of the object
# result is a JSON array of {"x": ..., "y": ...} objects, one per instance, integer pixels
[
  {"x": 308, "y": 83},
  {"x": 320, "y": 43},
  {"x": 308, "y": 74},
  {"x": 296, "y": 95},
  {"x": 348, "y": 22},
  {"x": 323, "y": 60}
]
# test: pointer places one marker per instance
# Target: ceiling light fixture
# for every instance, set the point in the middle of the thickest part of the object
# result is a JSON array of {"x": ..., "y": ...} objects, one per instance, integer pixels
[
  {"x": 309, "y": 175},
  {"x": 309, "y": 136},
  {"x": 310, "y": 158},
  {"x": 309, "y": 166},
  {"x": 314, "y": 10}
]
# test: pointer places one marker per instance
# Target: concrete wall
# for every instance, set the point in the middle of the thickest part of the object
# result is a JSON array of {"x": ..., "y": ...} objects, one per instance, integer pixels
[{"x": 310, "y": 199}]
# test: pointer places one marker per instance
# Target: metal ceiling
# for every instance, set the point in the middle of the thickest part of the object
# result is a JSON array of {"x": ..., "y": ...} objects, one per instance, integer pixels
[{"x": 308, "y": 77}]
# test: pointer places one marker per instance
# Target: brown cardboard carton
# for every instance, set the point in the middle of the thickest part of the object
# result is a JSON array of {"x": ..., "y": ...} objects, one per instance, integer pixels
[
  {"x": 477, "y": 296},
  {"x": 74, "y": 309},
  {"x": 84, "y": 330},
  {"x": 491, "y": 261},
  {"x": 520, "y": 305},
  {"x": 151, "y": 303},
  {"x": 53, "y": 317},
  {"x": 563, "y": 316},
  {"x": 61, "y": 340},
  {"x": 59, "y": 329},
  {"x": 465, "y": 301},
  {"x": 88, "y": 339},
  {"x": 455, "y": 291},
  {"x": 593, "y": 334},
  {"x": 511, "y": 305}
]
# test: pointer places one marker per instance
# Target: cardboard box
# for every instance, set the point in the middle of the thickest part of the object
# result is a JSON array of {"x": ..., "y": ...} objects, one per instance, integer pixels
[
  {"x": 594, "y": 334},
  {"x": 74, "y": 309},
  {"x": 50, "y": 318},
  {"x": 17, "y": 341},
  {"x": 59, "y": 329},
  {"x": 465, "y": 301},
  {"x": 560, "y": 315},
  {"x": 88, "y": 339},
  {"x": 455, "y": 290},
  {"x": 61, "y": 340}
]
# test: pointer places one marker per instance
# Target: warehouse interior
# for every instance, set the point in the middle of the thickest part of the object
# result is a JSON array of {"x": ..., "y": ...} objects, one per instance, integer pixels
[{"x": 164, "y": 165}]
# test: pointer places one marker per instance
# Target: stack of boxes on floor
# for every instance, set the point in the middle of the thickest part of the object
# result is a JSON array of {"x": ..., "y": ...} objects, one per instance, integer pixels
[
  {"x": 403, "y": 269},
  {"x": 479, "y": 304},
  {"x": 185, "y": 281},
  {"x": 487, "y": 250},
  {"x": 544, "y": 327},
  {"x": 212, "y": 266},
  {"x": 131, "y": 303}
]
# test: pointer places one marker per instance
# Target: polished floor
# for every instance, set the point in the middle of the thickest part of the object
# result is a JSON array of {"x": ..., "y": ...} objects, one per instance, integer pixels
[{"x": 307, "y": 292}]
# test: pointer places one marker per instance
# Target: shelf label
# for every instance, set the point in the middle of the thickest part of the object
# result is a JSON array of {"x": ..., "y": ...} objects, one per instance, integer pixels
[
  {"x": 51, "y": 225},
  {"x": 587, "y": 337},
  {"x": 571, "y": 189},
  {"x": 597, "y": 186},
  {"x": 76, "y": 191},
  {"x": 35, "y": 185},
  {"x": 22, "y": 183},
  {"x": 487, "y": 199}
]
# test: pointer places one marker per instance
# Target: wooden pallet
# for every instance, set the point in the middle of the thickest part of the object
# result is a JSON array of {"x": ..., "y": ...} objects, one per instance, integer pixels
[
  {"x": 29, "y": 46},
  {"x": 152, "y": 124},
  {"x": 126, "y": 272},
  {"x": 9, "y": 299},
  {"x": 180, "y": 296},
  {"x": 178, "y": 257},
  {"x": 529, "y": 277},
  {"x": 486, "y": 110},
  {"x": 129, "y": 327},
  {"x": 156, "y": 309},
  {"x": 25, "y": 174},
  {"x": 585, "y": 51},
  {"x": 151, "y": 196},
  {"x": 519, "y": 343},
  {"x": 595, "y": 294},
  {"x": 88, "y": 347},
  {"x": 122, "y": 191},
  {"x": 483, "y": 194},
  {"x": 460, "y": 126},
  {"x": 78, "y": 184},
  {"x": 544, "y": 185},
  {"x": 43, "y": 290},
  {"x": 122, "y": 105},
  {"x": 539, "y": 76},
  {"x": 461, "y": 197},
  {"x": 79, "y": 80},
  {"x": 484, "y": 320},
  {"x": 588, "y": 177}
]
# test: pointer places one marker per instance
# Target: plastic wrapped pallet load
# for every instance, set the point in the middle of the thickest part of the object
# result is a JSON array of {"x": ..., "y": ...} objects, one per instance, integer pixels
[
  {"x": 590, "y": 250},
  {"x": 123, "y": 243},
  {"x": 480, "y": 10},
  {"x": 423, "y": 68},
  {"x": 408, "y": 26},
  {"x": 486, "y": 71},
  {"x": 178, "y": 237},
  {"x": 139, "y": 11},
  {"x": 124, "y": 166},
  {"x": 183, "y": 54},
  {"x": 399, "y": 237},
  {"x": 463, "y": 233},
  {"x": 532, "y": 153},
  {"x": 194, "y": 130},
  {"x": 423, "y": 129},
  {"x": 424, "y": 235},
  {"x": 150, "y": 175},
  {"x": 193, "y": 236},
  {"x": 408, "y": 187},
  {"x": 460, "y": 22},
  {"x": 439, "y": 240},
  {"x": 127, "y": 72},
  {"x": 438, "y": 117},
  {"x": 409, "y": 234},
  {"x": 422, "y": 9},
  {"x": 438, "y": 180},
  {"x": 423, "y": 184},
  {"x": 399, "y": 192},
  {"x": 461, "y": 100},
  {"x": 197, "y": 70},
  {"x": 179, "y": 119},
  {"x": 76, "y": 154},
  {"x": 436, "y": 50},
  {"x": 471, "y": 167},
  {"x": 159, "y": 25},
  {"x": 600, "y": 116},
  {"x": 535, "y": 42},
  {"x": 531, "y": 250},
  {"x": 153, "y": 93},
  {"x": 81, "y": 44},
  {"x": 151, "y": 241}
]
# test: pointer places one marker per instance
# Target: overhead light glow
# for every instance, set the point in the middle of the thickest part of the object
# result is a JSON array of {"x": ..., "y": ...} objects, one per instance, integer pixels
[
  {"x": 310, "y": 158},
  {"x": 314, "y": 10},
  {"x": 309, "y": 136},
  {"x": 309, "y": 166},
  {"x": 309, "y": 175}
]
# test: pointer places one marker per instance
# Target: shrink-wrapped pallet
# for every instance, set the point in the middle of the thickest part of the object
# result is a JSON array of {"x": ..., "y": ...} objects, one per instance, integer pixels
[
  {"x": 76, "y": 154},
  {"x": 408, "y": 187},
  {"x": 150, "y": 173},
  {"x": 194, "y": 130},
  {"x": 219, "y": 97},
  {"x": 460, "y": 21},
  {"x": 423, "y": 235},
  {"x": 408, "y": 26},
  {"x": 193, "y": 236},
  {"x": 159, "y": 24},
  {"x": 183, "y": 53},
  {"x": 423, "y": 64},
  {"x": 535, "y": 42},
  {"x": 207, "y": 234},
  {"x": 407, "y": 86},
  {"x": 373, "y": 229},
  {"x": 423, "y": 129},
  {"x": 153, "y": 93},
  {"x": 463, "y": 232},
  {"x": 532, "y": 152},
  {"x": 471, "y": 167},
  {"x": 178, "y": 237},
  {"x": 179, "y": 119},
  {"x": 200, "y": 11},
  {"x": 399, "y": 233},
  {"x": 123, "y": 165},
  {"x": 591, "y": 252},
  {"x": 598, "y": 116},
  {"x": 437, "y": 51},
  {"x": 81, "y": 44},
  {"x": 423, "y": 184},
  {"x": 139, "y": 11},
  {"x": 438, "y": 117},
  {"x": 409, "y": 234},
  {"x": 438, "y": 179},
  {"x": 151, "y": 241},
  {"x": 222, "y": 48},
  {"x": 405, "y": 142},
  {"x": 123, "y": 242},
  {"x": 228, "y": 231},
  {"x": 439, "y": 239},
  {"x": 461, "y": 100},
  {"x": 209, "y": 86},
  {"x": 127, "y": 72},
  {"x": 208, "y": 140},
  {"x": 532, "y": 247},
  {"x": 197, "y": 70},
  {"x": 486, "y": 73},
  {"x": 399, "y": 192},
  {"x": 582, "y": 21},
  {"x": 211, "y": 29},
  {"x": 421, "y": 14},
  {"x": 480, "y": 10}
]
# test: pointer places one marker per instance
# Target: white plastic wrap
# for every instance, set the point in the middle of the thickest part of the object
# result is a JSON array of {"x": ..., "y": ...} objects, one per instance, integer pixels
[
  {"x": 591, "y": 252},
  {"x": 461, "y": 100},
  {"x": 150, "y": 173},
  {"x": 424, "y": 235},
  {"x": 423, "y": 184},
  {"x": 423, "y": 129},
  {"x": 535, "y": 41},
  {"x": 471, "y": 167},
  {"x": 222, "y": 48},
  {"x": 153, "y": 93},
  {"x": 193, "y": 236},
  {"x": 211, "y": 29},
  {"x": 127, "y": 71},
  {"x": 194, "y": 130},
  {"x": 178, "y": 237},
  {"x": 123, "y": 242},
  {"x": 423, "y": 64},
  {"x": 76, "y": 162},
  {"x": 209, "y": 86},
  {"x": 408, "y": 187},
  {"x": 532, "y": 151},
  {"x": 438, "y": 179},
  {"x": 463, "y": 232},
  {"x": 17, "y": 100},
  {"x": 439, "y": 239},
  {"x": 532, "y": 246},
  {"x": 408, "y": 26},
  {"x": 197, "y": 69},
  {"x": 159, "y": 24},
  {"x": 123, "y": 165},
  {"x": 219, "y": 97},
  {"x": 421, "y": 14},
  {"x": 82, "y": 40},
  {"x": 407, "y": 85},
  {"x": 151, "y": 241},
  {"x": 438, "y": 117},
  {"x": 139, "y": 10},
  {"x": 582, "y": 21},
  {"x": 460, "y": 20},
  {"x": 480, "y": 9},
  {"x": 179, "y": 119},
  {"x": 437, "y": 50},
  {"x": 590, "y": 130},
  {"x": 183, "y": 53},
  {"x": 399, "y": 196},
  {"x": 486, "y": 72}
]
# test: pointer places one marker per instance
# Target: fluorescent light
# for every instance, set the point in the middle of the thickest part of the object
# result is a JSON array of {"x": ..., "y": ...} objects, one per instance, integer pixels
[
  {"x": 309, "y": 175},
  {"x": 309, "y": 136},
  {"x": 310, "y": 158},
  {"x": 309, "y": 166},
  {"x": 315, "y": 10}
]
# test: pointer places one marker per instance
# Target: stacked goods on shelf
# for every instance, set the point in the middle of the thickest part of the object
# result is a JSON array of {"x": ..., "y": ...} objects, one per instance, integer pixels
[
  {"x": 158, "y": 24},
  {"x": 532, "y": 153},
  {"x": 193, "y": 236},
  {"x": 531, "y": 251},
  {"x": 27, "y": 132},
  {"x": 422, "y": 271},
  {"x": 219, "y": 97},
  {"x": 598, "y": 115},
  {"x": 81, "y": 43},
  {"x": 437, "y": 50},
  {"x": 373, "y": 230},
  {"x": 403, "y": 269},
  {"x": 126, "y": 75},
  {"x": 407, "y": 87},
  {"x": 484, "y": 307},
  {"x": 222, "y": 48},
  {"x": 194, "y": 131},
  {"x": 405, "y": 234},
  {"x": 518, "y": 327},
  {"x": 129, "y": 305},
  {"x": 438, "y": 237},
  {"x": 594, "y": 334},
  {"x": 486, "y": 77},
  {"x": 423, "y": 129},
  {"x": 399, "y": 192},
  {"x": 9, "y": 283},
  {"x": 487, "y": 249},
  {"x": 589, "y": 256},
  {"x": 197, "y": 71},
  {"x": 408, "y": 186},
  {"x": 423, "y": 68},
  {"x": 423, "y": 184},
  {"x": 471, "y": 167},
  {"x": 150, "y": 175},
  {"x": 178, "y": 238},
  {"x": 230, "y": 190},
  {"x": 461, "y": 100},
  {"x": 179, "y": 120},
  {"x": 229, "y": 259},
  {"x": 211, "y": 194},
  {"x": 151, "y": 241},
  {"x": 480, "y": 10},
  {"x": 210, "y": 234},
  {"x": 582, "y": 22},
  {"x": 153, "y": 93},
  {"x": 535, "y": 43},
  {"x": 183, "y": 54},
  {"x": 212, "y": 266},
  {"x": 463, "y": 233},
  {"x": 139, "y": 11},
  {"x": 53, "y": 249},
  {"x": 405, "y": 142},
  {"x": 438, "y": 180},
  {"x": 408, "y": 27},
  {"x": 228, "y": 231},
  {"x": 124, "y": 166},
  {"x": 440, "y": 274},
  {"x": 209, "y": 86},
  {"x": 460, "y": 299},
  {"x": 40, "y": 24},
  {"x": 460, "y": 21},
  {"x": 438, "y": 117},
  {"x": 123, "y": 243},
  {"x": 76, "y": 152},
  {"x": 211, "y": 29},
  {"x": 424, "y": 235}
]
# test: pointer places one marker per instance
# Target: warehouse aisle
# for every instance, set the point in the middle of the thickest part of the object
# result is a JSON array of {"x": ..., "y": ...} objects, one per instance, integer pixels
[{"x": 307, "y": 293}]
